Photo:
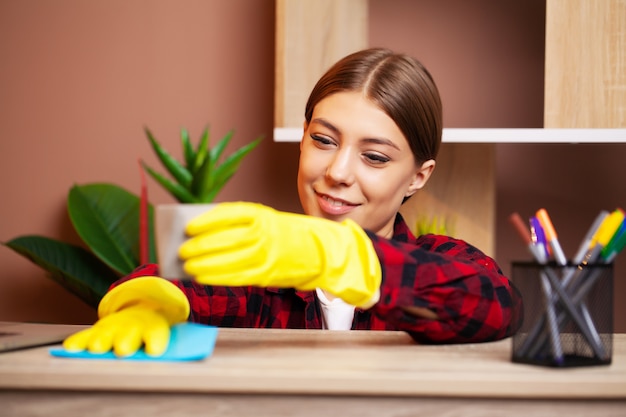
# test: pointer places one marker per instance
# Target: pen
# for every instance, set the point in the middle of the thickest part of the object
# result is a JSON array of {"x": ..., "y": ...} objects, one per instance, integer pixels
[
  {"x": 590, "y": 237},
  {"x": 610, "y": 235},
  {"x": 588, "y": 241},
  {"x": 553, "y": 241},
  {"x": 616, "y": 244},
  {"x": 539, "y": 241},
  {"x": 536, "y": 248},
  {"x": 581, "y": 318},
  {"x": 605, "y": 244},
  {"x": 605, "y": 233},
  {"x": 618, "y": 247},
  {"x": 538, "y": 238}
]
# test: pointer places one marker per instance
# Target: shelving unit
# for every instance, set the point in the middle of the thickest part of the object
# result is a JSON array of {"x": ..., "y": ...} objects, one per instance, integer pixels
[
  {"x": 519, "y": 135},
  {"x": 585, "y": 97}
]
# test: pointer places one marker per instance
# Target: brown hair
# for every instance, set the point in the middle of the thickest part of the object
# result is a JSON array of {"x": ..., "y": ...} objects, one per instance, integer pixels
[{"x": 399, "y": 84}]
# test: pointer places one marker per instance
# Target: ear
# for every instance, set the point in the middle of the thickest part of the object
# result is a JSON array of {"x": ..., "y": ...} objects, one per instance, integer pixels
[{"x": 422, "y": 174}]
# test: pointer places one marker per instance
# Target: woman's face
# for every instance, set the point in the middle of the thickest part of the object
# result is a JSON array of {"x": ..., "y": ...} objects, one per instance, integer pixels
[{"x": 355, "y": 163}]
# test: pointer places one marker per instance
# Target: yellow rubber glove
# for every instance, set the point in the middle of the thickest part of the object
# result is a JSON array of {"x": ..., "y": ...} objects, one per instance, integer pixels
[
  {"x": 241, "y": 244},
  {"x": 135, "y": 313}
]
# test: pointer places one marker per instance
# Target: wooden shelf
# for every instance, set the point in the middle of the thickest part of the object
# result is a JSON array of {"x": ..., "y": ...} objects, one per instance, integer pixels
[
  {"x": 497, "y": 135},
  {"x": 584, "y": 98}
]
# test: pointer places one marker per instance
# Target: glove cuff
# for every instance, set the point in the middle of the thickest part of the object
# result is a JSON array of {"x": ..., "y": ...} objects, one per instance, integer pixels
[{"x": 354, "y": 265}]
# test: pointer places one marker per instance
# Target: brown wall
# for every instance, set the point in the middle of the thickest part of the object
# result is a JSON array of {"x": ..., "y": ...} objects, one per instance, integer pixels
[{"x": 79, "y": 80}]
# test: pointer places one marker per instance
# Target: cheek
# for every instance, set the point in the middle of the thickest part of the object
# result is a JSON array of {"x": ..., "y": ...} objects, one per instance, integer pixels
[
  {"x": 310, "y": 166},
  {"x": 306, "y": 173},
  {"x": 384, "y": 187}
]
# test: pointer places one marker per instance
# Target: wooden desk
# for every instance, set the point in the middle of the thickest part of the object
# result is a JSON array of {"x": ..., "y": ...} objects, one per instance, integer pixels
[{"x": 311, "y": 373}]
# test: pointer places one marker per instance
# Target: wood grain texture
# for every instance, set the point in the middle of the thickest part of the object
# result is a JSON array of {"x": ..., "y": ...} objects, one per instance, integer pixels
[
  {"x": 119, "y": 404},
  {"x": 585, "y": 73},
  {"x": 462, "y": 191},
  {"x": 310, "y": 36},
  {"x": 317, "y": 362}
]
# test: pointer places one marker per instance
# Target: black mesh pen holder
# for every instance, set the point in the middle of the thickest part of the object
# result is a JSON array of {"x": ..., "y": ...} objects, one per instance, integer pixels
[{"x": 568, "y": 314}]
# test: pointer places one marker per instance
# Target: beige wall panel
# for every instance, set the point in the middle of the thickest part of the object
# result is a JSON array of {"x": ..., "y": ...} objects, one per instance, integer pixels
[
  {"x": 310, "y": 36},
  {"x": 462, "y": 191},
  {"x": 585, "y": 80}
]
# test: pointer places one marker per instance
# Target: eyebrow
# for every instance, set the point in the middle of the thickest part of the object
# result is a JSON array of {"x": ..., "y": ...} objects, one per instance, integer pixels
[{"x": 377, "y": 141}]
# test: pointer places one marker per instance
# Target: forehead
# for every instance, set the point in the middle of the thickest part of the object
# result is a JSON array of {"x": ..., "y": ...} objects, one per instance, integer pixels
[{"x": 353, "y": 114}]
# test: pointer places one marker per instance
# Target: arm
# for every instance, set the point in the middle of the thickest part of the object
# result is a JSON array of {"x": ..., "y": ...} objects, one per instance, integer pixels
[
  {"x": 442, "y": 290},
  {"x": 208, "y": 305}
]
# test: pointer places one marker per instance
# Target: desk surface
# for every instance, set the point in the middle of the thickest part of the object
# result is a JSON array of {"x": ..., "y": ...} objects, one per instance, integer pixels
[{"x": 355, "y": 363}]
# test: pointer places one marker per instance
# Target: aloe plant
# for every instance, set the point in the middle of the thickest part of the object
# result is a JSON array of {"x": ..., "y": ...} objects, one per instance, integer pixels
[
  {"x": 117, "y": 226},
  {"x": 203, "y": 173}
]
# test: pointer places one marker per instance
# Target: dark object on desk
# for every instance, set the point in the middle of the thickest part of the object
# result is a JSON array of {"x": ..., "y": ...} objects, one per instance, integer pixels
[
  {"x": 582, "y": 299},
  {"x": 15, "y": 335}
]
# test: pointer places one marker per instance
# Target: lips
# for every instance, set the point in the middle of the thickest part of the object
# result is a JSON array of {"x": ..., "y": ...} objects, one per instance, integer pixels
[{"x": 334, "y": 206}]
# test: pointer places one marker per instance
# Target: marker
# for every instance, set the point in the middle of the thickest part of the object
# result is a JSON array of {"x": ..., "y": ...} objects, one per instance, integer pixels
[
  {"x": 605, "y": 232},
  {"x": 588, "y": 331},
  {"x": 535, "y": 243},
  {"x": 538, "y": 237},
  {"x": 589, "y": 237},
  {"x": 551, "y": 236},
  {"x": 616, "y": 243},
  {"x": 615, "y": 246}
]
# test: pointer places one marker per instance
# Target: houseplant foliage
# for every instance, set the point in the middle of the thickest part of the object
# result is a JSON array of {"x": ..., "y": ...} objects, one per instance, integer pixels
[
  {"x": 107, "y": 219},
  {"x": 117, "y": 226},
  {"x": 194, "y": 183},
  {"x": 439, "y": 225},
  {"x": 203, "y": 173}
]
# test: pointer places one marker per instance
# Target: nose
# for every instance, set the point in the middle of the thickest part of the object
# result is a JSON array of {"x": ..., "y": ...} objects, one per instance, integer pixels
[{"x": 340, "y": 170}]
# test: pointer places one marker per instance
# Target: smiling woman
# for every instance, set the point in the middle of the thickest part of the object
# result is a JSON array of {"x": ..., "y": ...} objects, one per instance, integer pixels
[
  {"x": 372, "y": 132},
  {"x": 356, "y": 163}
]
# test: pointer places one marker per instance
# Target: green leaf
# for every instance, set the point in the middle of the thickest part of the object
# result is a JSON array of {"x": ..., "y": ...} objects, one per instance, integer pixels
[
  {"x": 202, "y": 151},
  {"x": 179, "y": 192},
  {"x": 179, "y": 172},
  {"x": 190, "y": 154},
  {"x": 203, "y": 180},
  {"x": 76, "y": 269},
  {"x": 203, "y": 185},
  {"x": 106, "y": 217},
  {"x": 218, "y": 149},
  {"x": 228, "y": 168}
]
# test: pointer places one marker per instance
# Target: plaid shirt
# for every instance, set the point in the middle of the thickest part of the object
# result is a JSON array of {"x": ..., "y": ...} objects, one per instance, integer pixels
[{"x": 465, "y": 288}]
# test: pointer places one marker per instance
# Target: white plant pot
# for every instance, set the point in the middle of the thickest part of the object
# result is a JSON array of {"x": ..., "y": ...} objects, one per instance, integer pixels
[{"x": 170, "y": 221}]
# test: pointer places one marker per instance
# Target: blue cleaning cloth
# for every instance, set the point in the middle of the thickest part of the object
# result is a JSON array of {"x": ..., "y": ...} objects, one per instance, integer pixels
[{"x": 188, "y": 342}]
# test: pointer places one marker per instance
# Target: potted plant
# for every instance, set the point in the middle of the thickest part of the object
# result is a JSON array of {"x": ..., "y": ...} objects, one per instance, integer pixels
[
  {"x": 117, "y": 226},
  {"x": 194, "y": 183}
]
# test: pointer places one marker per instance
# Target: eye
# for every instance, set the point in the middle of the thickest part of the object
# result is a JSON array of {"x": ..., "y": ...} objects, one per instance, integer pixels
[
  {"x": 322, "y": 140},
  {"x": 376, "y": 158}
]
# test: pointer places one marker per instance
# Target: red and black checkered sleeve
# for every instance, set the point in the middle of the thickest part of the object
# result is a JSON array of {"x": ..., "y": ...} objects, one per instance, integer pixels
[
  {"x": 466, "y": 290},
  {"x": 219, "y": 306}
]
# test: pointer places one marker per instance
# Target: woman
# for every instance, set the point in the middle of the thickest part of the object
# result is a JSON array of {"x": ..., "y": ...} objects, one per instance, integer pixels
[{"x": 372, "y": 130}]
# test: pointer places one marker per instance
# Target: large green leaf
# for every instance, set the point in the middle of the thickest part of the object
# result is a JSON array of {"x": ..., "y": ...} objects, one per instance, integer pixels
[
  {"x": 106, "y": 217},
  {"x": 73, "y": 267}
]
